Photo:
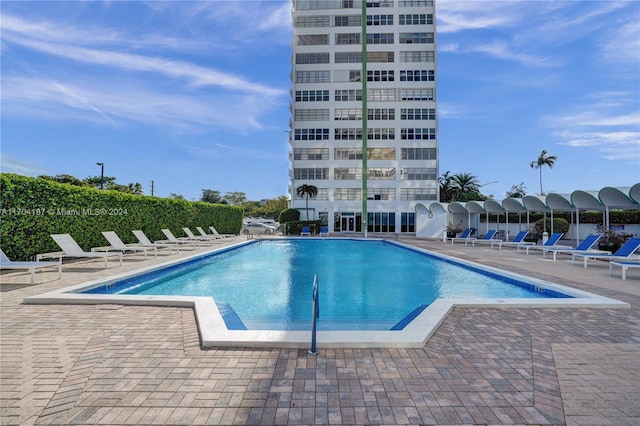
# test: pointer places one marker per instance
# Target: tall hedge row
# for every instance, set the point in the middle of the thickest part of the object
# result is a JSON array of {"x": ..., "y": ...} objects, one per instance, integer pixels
[{"x": 31, "y": 209}]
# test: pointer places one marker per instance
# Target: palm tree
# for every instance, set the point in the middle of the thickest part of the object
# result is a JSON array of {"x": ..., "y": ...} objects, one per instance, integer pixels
[
  {"x": 466, "y": 182},
  {"x": 446, "y": 187},
  {"x": 307, "y": 191},
  {"x": 543, "y": 160}
]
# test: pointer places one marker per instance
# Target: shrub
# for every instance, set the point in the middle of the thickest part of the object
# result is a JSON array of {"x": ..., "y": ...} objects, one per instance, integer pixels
[
  {"x": 559, "y": 225},
  {"x": 289, "y": 215},
  {"x": 31, "y": 209}
]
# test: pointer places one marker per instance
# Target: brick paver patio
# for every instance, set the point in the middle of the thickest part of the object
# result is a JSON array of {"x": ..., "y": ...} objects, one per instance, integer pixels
[{"x": 108, "y": 364}]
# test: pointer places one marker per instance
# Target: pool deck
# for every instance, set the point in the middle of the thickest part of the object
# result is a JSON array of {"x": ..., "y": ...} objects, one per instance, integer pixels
[{"x": 112, "y": 364}]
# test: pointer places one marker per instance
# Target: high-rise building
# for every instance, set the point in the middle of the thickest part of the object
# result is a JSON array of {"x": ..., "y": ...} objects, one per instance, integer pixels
[{"x": 355, "y": 75}]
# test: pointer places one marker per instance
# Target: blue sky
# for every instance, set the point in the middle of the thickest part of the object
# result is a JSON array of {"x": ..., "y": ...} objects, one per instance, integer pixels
[{"x": 195, "y": 95}]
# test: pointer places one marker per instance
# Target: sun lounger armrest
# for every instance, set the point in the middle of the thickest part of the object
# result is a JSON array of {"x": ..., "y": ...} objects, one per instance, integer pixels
[{"x": 51, "y": 255}]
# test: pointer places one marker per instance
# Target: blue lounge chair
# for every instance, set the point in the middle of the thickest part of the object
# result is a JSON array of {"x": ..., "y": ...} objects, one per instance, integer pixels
[
  {"x": 584, "y": 247},
  {"x": 324, "y": 231},
  {"x": 466, "y": 234},
  {"x": 486, "y": 239},
  {"x": 623, "y": 253},
  {"x": 551, "y": 242},
  {"x": 305, "y": 231},
  {"x": 519, "y": 239},
  {"x": 6, "y": 263}
]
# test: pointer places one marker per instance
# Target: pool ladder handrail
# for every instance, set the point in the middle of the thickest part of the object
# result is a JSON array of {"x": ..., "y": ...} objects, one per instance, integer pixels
[{"x": 315, "y": 313}]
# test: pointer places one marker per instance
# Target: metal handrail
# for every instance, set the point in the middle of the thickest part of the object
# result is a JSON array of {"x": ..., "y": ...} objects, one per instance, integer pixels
[{"x": 315, "y": 313}]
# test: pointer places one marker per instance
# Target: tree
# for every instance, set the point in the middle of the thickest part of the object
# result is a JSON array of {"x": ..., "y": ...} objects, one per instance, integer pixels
[
  {"x": 543, "y": 160},
  {"x": 136, "y": 188},
  {"x": 517, "y": 191},
  {"x": 446, "y": 187},
  {"x": 466, "y": 183},
  {"x": 211, "y": 196},
  {"x": 64, "y": 178},
  {"x": 175, "y": 196},
  {"x": 307, "y": 191},
  {"x": 235, "y": 198}
]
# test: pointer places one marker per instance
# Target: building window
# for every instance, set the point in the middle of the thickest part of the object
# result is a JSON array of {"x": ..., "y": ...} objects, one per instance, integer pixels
[
  {"x": 417, "y": 134},
  {"x": 311, "y": 114},
  {"x": 347, "y": 194},
  {"x": 415, "y": 173},
  {"x": 312, "y": 95},
  {"x": 380, "y": 57},
  {"x": 381, "y": 134},
  {"x": 347, "y": 21},
  {"x": 415, "y": 3},
  {"x": 347, "y": 114},
  {"x": 311, "y": 154},
  {"x": 381, "y": 221},
  {"x": 386, "y": 194},
  {"x": 417, "y": 95},
  {"x": 312, "y": 77},
  {"x": 381, "y": 153},
  {"x": 311, "y": 134},
  {"x": 418, "y": 114},
  {"x": 418, "y": 75},
  {"x": 418, "y": 56},
  {"x": 382, "y": 95},
  {"x": 381, "y": 75},
  {"x": 379, "y": 19},
  {"x": 348, "y": 134},
  {"x": 348, "y": 38},
  {"x": 407, "y": 222},
  {"x": 418, "y": 153},
  {"x": 313, "y": 40},
  {"x": 381, "y": 173},
  {"x": 416, "y": 19},
  {"x": 346, "y": 173},
  {"x": 379, "y": 3},
  {"x": 348, "y": 95},
  {"x": 415, "y": 38},
  {"x": 347, "y": 154},
  {"x": 382, "y": 38},
  {"x": 348, "y": 57},
  {"x": 311, "y": 174},
  {"x": 312, "y": 21},
  {"x": 417, "y": 194},
  {"x": 381, "y": 114},
  {"x": 312, "y": 58}
]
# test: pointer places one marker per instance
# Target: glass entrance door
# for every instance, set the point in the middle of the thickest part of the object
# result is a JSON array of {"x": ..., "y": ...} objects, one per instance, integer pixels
[{"x": 348, "y": 222}]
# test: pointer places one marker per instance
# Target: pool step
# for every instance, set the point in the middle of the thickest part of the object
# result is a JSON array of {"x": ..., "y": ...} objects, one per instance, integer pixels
[
  {"x": 406, "y": 320},
  {"x": 230, "y": 317}
]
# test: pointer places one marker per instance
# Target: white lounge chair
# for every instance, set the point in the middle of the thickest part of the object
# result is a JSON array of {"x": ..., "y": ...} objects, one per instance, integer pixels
[
  {"x": 584, "y": 247},
  {"x": 71, "y": 249},
  {"x": 203, "y": 233},
  {"x": 145, "y": 242},
  {"x": 624, "y": 253},
  {"x": 464, "y": 236},
  {"x": 182, "y": 240},
  {"x": 518, "y": 239},
  {"x": 212, "y": 239},
  {"x": 118, "y": 245},
  {"x": 551, "y": 242},
  {"x": 486, "y": 239},
  {"x": 6, "y": 263},
  {"x": 215, "y": 232},
  {"x": 624, "y": 266}
]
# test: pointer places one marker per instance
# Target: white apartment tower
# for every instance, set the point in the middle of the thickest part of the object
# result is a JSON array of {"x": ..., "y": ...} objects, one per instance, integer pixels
[{"x": 355, "y": 75}]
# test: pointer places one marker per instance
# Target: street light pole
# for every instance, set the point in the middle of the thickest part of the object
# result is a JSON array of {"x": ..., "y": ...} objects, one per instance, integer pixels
[{"x": 101, "y": 174}]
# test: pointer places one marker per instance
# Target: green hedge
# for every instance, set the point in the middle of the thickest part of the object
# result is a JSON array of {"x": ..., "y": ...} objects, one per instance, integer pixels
[{"x": 31, "y": 209}]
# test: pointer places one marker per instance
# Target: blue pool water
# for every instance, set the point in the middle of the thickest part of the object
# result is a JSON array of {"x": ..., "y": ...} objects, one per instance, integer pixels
[{"x": 363, "y": 285}]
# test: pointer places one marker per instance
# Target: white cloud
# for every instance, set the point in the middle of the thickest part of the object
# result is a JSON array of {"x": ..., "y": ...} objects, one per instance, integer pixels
[{"x": 11, "y": 165}]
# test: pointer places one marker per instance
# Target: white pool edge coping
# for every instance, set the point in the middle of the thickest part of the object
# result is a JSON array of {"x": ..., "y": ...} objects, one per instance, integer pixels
[{"x": 214, "y": 333}]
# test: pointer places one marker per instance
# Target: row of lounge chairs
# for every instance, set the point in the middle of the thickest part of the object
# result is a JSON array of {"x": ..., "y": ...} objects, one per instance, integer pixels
[
  {"x": 116, "y": 248},
  {"x": 623, "y": 257}
]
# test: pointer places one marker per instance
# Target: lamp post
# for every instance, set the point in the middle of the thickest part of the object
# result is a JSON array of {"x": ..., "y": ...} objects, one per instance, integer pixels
[{"x": 101, "y": 174}]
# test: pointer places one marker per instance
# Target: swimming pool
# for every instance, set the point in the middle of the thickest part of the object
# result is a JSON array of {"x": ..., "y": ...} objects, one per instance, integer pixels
[
  {"x": 364, "y": 285},
  {"x": 214, "y": 332}
]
